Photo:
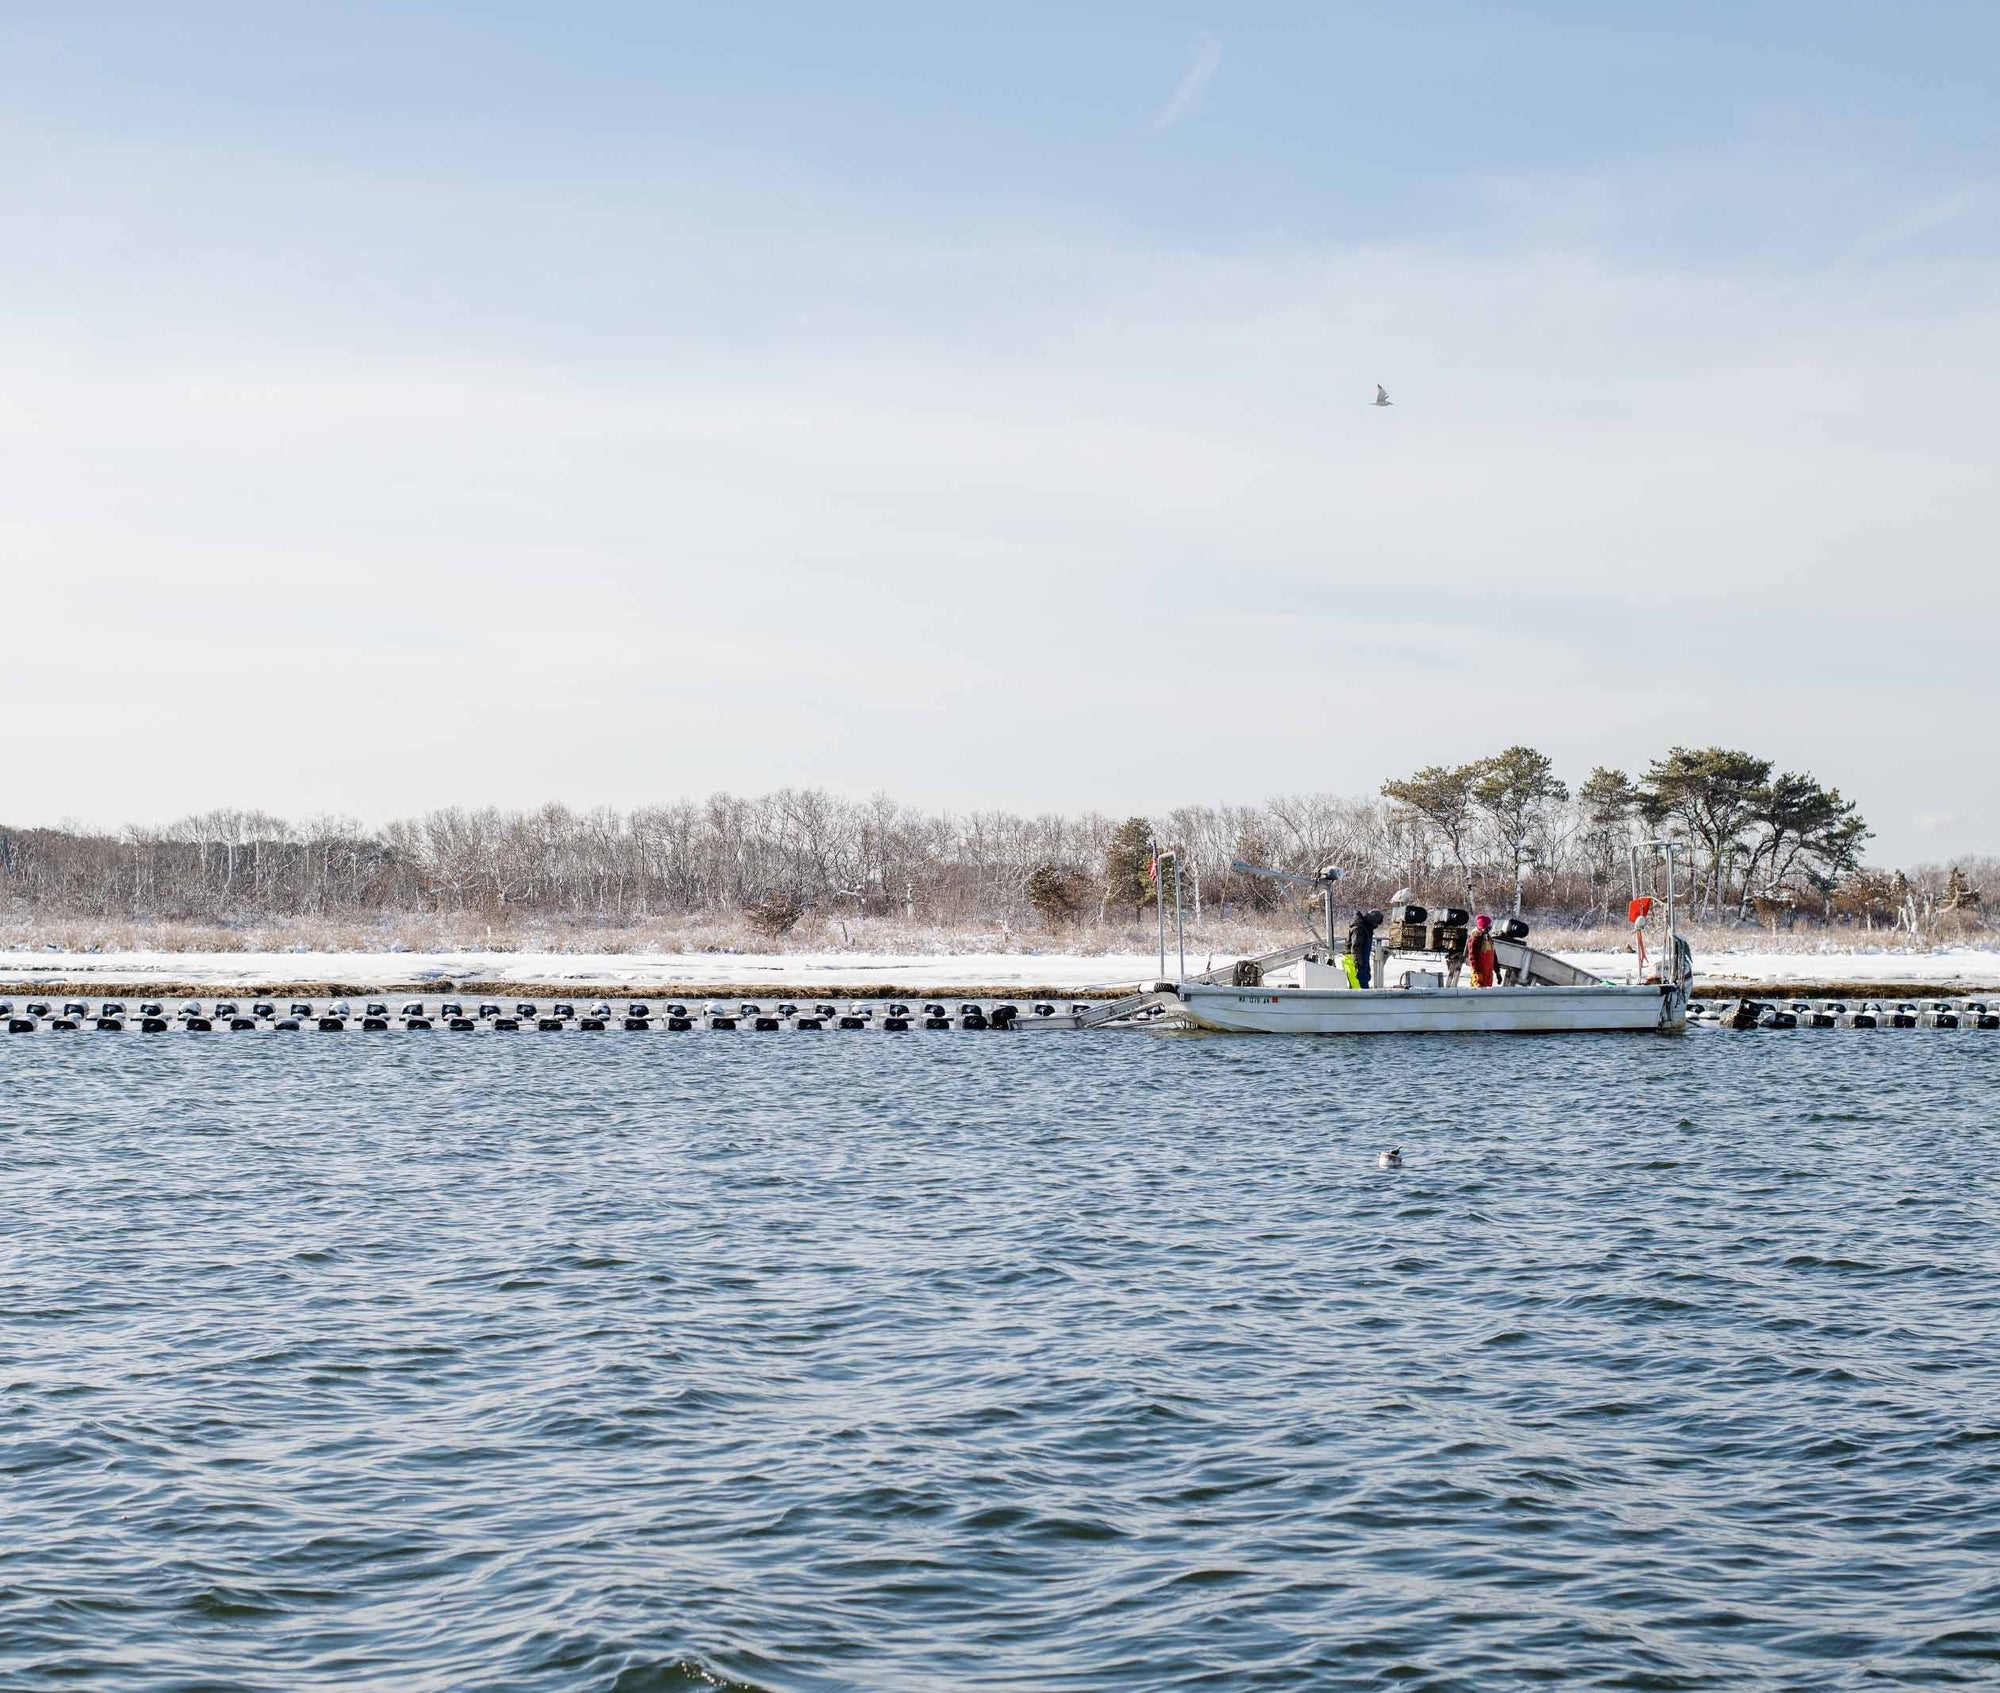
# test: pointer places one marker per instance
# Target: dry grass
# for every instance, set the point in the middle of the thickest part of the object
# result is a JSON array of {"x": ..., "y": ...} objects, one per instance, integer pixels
[
  {"x": 724, "y": 934},
  {"x": 1712, "y": 939},
  {"x": 1228, "y": 938}
]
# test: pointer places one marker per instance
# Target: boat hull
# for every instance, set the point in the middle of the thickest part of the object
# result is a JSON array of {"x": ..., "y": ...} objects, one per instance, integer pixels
[{"x": 1391, "y": 1011}]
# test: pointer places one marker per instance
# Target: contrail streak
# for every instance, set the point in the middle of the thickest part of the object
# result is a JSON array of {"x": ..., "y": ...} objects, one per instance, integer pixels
[{"x": 1187, "y": 97}]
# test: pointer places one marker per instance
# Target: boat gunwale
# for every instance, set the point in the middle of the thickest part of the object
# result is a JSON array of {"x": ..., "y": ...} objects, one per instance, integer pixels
[{"x": 1530, "y": 1008}]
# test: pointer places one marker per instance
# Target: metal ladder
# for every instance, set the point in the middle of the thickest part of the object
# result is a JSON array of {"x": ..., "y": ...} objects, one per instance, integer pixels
[{"x": 1097, "y": 1016}]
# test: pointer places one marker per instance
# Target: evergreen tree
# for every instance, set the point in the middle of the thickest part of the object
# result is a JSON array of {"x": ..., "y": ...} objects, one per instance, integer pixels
[
  {"x": 1713, "y": 793},
  {"x": 1128, "y": 878},
  {"x": 1057, "y": 893},
  {"x": 1516, "y": 790},
  {"x": 1441, "y": 794}
]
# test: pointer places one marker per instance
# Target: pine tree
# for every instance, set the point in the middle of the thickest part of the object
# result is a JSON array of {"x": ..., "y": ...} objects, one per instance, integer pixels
[
  {"x": 1515, "y": 789},
  {"x": 1128, "y": 878},
  {"x": 1441, "y": 794}
]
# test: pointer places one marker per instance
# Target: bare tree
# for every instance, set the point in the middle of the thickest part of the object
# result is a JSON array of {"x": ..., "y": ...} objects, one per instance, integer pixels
[{"x": 721, "y": 854}]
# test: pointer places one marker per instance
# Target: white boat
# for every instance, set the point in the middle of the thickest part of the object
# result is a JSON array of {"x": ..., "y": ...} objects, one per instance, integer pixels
[
  {"x": 1305, "y": 990},
  {"x": 1541, "y": 995}
]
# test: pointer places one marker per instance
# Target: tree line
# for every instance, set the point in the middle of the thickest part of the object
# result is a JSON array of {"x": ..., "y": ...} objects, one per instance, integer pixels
[
  {"x": 1748, "y": 832},
  {"x": 1502, "y": 829}
]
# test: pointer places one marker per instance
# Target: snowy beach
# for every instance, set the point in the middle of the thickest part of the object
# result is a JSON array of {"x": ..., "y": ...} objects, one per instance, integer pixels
[{"x": 863, "y": 973}]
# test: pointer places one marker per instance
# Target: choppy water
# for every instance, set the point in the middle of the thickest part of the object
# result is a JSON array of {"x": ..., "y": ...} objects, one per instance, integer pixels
[{"x": 978, "y": 1362}]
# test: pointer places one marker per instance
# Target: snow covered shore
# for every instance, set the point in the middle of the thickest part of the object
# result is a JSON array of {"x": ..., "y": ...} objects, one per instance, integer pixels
[{"x": 836, "y": 972}]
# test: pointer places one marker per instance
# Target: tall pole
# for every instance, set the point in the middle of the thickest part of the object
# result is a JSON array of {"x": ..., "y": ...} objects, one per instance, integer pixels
[
  {"x": 1160, "y": 905},
  {"x": 1180, "y": 925}
]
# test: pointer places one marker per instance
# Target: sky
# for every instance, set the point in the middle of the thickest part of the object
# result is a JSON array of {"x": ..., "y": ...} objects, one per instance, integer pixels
[{"x": 409, "y": 405}]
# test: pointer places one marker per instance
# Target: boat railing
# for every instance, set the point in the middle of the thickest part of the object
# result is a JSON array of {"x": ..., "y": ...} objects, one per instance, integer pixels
[
  {"x": 1227, "y": 975},
  {"x": 1526, "y": 965}
]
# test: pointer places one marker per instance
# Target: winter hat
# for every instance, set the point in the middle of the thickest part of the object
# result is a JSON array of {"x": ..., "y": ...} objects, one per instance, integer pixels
[{"x": 1482, "y": 921}]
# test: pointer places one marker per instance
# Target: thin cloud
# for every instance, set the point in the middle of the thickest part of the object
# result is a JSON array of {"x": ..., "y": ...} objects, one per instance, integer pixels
[
  {"x": 1188, "y": 96},
  {"x": 1919, "y": 220}
]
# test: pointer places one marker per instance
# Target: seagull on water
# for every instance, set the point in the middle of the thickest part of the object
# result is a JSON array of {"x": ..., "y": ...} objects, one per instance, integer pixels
[
  {"x": 1390, "y": 1160},
  {"x": 1382, "y": 396}
]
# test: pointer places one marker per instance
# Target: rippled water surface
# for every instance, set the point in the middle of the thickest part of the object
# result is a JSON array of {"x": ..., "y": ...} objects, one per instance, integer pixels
[{"x": 977, "y": 1361}]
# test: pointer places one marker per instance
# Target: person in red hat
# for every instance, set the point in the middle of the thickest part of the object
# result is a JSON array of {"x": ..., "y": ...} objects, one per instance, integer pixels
[{"x": 1479, "y": 952}]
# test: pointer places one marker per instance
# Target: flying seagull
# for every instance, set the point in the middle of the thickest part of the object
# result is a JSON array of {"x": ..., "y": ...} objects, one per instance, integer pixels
[{"x": 1382, "y": 396}]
